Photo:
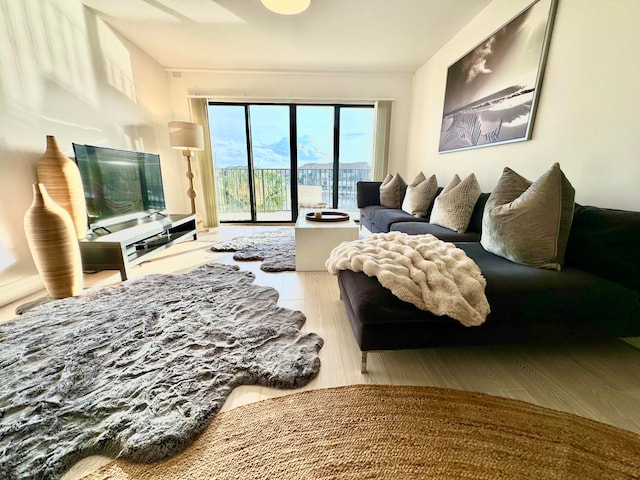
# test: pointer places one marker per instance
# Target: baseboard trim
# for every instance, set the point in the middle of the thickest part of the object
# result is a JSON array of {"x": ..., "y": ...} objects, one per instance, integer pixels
[{"x": 17, "y": 289}]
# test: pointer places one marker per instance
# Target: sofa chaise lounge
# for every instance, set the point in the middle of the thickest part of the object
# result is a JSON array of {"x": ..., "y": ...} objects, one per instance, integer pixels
[{"x": 596, "y": 293}]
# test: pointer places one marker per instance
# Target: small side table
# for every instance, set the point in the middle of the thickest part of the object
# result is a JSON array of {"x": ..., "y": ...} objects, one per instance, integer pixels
[{"x": 315, "y": 240}]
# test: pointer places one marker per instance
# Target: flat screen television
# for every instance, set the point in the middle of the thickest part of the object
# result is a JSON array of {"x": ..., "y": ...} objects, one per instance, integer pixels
[{"x": 119, "y": 185}]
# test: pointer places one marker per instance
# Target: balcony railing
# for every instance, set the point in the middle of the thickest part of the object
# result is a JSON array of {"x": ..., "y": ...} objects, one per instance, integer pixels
[{"x": 273, "y": 188}]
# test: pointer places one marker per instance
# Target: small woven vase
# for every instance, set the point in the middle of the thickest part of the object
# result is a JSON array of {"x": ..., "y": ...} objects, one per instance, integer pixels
[
  {"x": 61, "y": 177},
  {"x": 53, "y": 244}
]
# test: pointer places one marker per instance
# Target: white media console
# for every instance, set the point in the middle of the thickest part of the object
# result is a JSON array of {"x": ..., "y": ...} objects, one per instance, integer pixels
[{"x": 121, "y": 246}]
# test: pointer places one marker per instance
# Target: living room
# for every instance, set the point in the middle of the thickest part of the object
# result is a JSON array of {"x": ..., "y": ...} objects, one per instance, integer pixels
[
  {"x": 584, "y": 79},
  {"x": 82, "y": 80}
]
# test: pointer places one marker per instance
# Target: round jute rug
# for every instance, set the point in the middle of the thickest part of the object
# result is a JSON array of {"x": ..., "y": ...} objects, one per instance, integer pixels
[{"x": 396, "y": 432}]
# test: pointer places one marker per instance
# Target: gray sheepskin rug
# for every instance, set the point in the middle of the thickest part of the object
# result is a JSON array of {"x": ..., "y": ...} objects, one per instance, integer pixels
[
  {"x": 137, "y": 370},
  {"x": 276, "y": 248}
]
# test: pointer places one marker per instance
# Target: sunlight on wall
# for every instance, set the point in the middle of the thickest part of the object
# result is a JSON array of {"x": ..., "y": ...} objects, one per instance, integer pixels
[
  {"x": 201, "y": 11},
  {"x": 117, "y": 62},
  {"x": 44, "y": 39},
  {"x": 6, "y": 258},
  {"x": 65, "y": 72},
  {"x": 44, "y": 46},
  {"x": 168, "y": 11}
]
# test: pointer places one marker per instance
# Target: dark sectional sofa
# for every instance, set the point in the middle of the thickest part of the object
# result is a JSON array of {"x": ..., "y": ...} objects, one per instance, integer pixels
[
  {"x": 596, "y": 293},
  {"x": 378, "y": 219}
]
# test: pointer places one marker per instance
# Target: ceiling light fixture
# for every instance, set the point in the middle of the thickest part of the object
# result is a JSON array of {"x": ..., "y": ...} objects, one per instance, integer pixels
[{"x": 286, "y": 7}]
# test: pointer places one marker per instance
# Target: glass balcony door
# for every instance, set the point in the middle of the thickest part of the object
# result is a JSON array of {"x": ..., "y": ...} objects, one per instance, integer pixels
[
  {"x": 252, "y": 162},
  {"x": 315, "y": 156},
  {"x": 271, "y": 162},
  {"x": 229, "y": 142},
  {"x": 355, "y": 153},
  {"x": 262, "y": 176}
]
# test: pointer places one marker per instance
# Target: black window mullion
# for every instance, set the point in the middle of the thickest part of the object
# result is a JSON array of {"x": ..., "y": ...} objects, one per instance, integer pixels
[
  {"x": 252, "y": 193},
  {"x": 336, "y": 154},
  {"x": 293, "y": 147}
]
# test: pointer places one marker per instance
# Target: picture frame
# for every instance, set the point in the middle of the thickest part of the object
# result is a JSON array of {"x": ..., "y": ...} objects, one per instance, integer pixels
[{"x": 492, "y": 91}]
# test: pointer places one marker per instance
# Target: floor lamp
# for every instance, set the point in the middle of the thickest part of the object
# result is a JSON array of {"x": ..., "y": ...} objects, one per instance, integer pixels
[{"x": 187, "y": 137}]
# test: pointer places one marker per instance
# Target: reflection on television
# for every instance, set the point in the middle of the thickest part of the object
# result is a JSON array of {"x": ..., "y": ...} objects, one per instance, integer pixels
[{"x": 119, "y": 185}]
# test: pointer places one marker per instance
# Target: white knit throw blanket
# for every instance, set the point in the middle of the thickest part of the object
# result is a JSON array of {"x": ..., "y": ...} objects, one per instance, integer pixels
[{"x": 421, "y": 269}]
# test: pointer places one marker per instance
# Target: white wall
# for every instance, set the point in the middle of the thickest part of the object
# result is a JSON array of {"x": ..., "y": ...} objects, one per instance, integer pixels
[
  {"x": 64, "y": 72},
  {"x": 294, "y": 87},
  {"x": 587, "y": 116}
]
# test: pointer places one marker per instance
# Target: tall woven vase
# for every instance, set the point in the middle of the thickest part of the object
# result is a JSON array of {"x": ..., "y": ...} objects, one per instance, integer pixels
[
  {"x": 61, "y": 177},
  {"x": 54, "y": 245}
]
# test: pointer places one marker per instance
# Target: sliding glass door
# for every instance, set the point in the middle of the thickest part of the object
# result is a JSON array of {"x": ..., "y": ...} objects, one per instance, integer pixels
[
  {"x": 355, "y": 144},
  {"x": 234, "y": 191},
  {"x": 270, "y": 145},
  {"x": 263, "y": 176},
  {"x": 315, "y": 155}
]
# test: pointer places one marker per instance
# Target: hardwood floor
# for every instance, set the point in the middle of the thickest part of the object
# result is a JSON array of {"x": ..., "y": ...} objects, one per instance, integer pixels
[{"x": 600, "y": 381}]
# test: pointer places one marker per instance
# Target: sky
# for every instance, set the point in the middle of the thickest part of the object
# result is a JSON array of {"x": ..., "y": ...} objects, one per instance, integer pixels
[{"x": 270, "y": 135}]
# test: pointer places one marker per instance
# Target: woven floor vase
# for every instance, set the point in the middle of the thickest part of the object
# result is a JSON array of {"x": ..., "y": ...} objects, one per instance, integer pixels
[
  {"x": 61, "y": 177},
  {"x": 54, "y": 245}
]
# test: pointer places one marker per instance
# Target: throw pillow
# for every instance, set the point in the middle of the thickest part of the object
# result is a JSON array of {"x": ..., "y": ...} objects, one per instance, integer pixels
[
  {"x": 387, "y": 179},
  {"x": 392, "y": 191},
  {"x": 419, "y": 195},
  {"x": 529, "y": 223},
  {"x": 454, "y": 206}
]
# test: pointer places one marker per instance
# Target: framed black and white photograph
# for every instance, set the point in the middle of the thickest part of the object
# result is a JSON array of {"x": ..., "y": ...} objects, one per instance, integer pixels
[{"x": 491, "y": 92}]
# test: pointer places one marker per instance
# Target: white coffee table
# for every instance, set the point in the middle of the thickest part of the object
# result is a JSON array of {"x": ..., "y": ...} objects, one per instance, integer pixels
[{"x": 315, "y": 240}]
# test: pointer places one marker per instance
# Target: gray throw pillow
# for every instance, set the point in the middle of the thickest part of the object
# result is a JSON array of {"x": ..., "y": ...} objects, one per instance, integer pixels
[
  {"x": 387, "y": 179},
  {"x": 419, "y": 195},
  {"x": 392, "y": 191},
  {"x": 454, "y": 206},
  {"x": 529, "y": 223}
]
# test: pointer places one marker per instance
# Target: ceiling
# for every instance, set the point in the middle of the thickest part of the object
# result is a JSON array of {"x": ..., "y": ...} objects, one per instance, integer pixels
[{"x": 331, "y": 35}]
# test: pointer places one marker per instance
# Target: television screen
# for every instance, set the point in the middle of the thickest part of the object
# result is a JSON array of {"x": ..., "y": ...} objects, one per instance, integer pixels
[{"x": 119, "y": 185}]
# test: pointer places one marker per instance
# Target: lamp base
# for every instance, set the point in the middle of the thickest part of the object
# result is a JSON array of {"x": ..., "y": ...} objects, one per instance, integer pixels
[{"x": 200, "y": 224}]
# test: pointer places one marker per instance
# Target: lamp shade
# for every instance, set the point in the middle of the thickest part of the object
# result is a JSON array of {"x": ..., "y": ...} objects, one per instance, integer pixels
[
  {"x": 286, "y": 7},
  {"x": 186, "y": 136}
]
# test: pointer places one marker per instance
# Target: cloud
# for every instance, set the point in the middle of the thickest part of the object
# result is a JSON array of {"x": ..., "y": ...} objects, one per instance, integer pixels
[
  {"x": 478, "y": 61},
  {"x": 231, "y": 153}
]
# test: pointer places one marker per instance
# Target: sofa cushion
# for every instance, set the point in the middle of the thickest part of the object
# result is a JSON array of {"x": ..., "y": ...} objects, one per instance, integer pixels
[
  {"x": 383, "y": 218},
  {"x": 419, "y": 226},
  {"x": 392, "y": 191},
  {"x": 443, "y": 233},
  {"x": 606, "y": 242},
  {"x": 520, "y": 293},
  {"x": 379, "y": 219},
  {"x": 368, "y": 193},
  {"x": 454, "y": 206},
  {"x": 529, "y": 223},
  {"x": 419, "y": 195},
  {"x": 517, "y": 294},
  {"x": 367, "y": 216},
  {"x": 475, "y": 223}
]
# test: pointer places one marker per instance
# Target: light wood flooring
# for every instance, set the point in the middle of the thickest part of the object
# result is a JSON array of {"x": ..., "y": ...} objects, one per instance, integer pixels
[{"x": 600, "y": 381}]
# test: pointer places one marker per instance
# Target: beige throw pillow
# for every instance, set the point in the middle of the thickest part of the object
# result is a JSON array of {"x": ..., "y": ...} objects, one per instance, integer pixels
[
  {"x": 392, "y": 191},
  {"x": 454, "y": 206},
  {"x": 529, "y": 223},
  {"x": 419, "y": 195},
  {"x": 387, "y": 179}
]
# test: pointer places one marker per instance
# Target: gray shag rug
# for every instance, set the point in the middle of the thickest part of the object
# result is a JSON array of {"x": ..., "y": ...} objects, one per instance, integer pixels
[
  {"x": 276, "y": 249},
  {"x": 137, "y": 370}
]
